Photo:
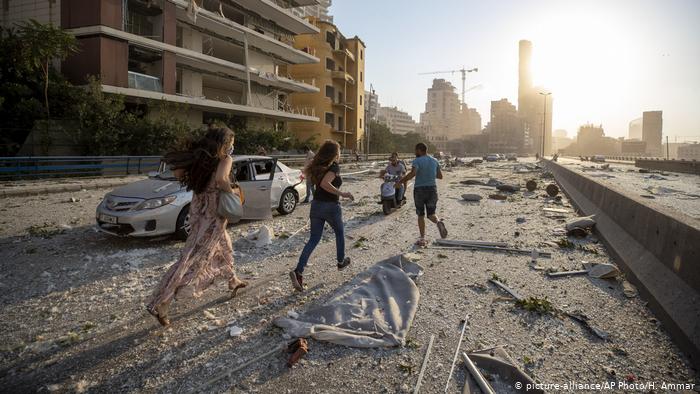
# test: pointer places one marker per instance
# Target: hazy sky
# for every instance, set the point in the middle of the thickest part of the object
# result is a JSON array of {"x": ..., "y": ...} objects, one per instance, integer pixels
[{"x": 605, "y": 61}]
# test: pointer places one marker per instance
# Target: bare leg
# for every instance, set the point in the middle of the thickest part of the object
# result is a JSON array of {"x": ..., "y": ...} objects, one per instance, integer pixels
[
  {"x": 421, "y": 226},
  {"x": 432, "y": 218}
]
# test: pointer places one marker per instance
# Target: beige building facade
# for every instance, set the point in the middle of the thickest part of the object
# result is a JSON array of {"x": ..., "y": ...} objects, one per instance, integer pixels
[
  {"x": 340, "y": 103},
  {"x": 398, "y": 122}
]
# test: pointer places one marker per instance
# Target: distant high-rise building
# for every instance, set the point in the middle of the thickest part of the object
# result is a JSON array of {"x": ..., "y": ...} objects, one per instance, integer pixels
[
  {"x": 531, "y": 104},
  {"x": 560, "y": 140},
  {"x": 440, "y": 123},
  {"x": 372, "y": 103},
  {"x": 471, "y": 121},
  {"x": 652, "y": 125},
  {"x": 635, "y": 129},
  {"x": 398, "y": 122},
  {"x": 316, "y": 8},
  {"x": 591, "y": 140},
  {"x": 506, "y": 129}
]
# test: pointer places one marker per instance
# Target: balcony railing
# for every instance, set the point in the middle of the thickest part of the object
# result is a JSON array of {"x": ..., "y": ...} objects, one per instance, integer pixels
[
  {"x": 144, "y": 82},
  {"x": 343, "y": 75}
]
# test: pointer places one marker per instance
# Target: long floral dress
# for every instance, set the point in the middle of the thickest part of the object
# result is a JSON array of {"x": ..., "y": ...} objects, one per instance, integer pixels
[{"x": 207, "y": 255}]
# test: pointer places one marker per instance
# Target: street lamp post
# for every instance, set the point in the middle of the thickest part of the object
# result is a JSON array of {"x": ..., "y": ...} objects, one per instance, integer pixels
[{"x": 544, "y": 119}]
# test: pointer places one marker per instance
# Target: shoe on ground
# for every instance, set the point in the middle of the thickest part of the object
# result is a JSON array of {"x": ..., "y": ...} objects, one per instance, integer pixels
[
  {"x": 297, "y": 280},
  {"x": 443, "y": 230},
  {"x": 345, "y": 263}
]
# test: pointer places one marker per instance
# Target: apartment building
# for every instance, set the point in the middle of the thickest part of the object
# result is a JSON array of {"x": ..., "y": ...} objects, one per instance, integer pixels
[
  {"x": 340, "y": 78},
  {"x": 440, "y": 122},
  {"x": 398, "y": 122},
  {"x": 320, "y": 10},
  {"x": 210, "y": 59}
]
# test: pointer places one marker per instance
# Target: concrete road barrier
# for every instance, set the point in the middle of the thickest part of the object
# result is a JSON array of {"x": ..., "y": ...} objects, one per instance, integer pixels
[
  {"x": 658, "y": 249},
  {"x": 685, "y": 166}
]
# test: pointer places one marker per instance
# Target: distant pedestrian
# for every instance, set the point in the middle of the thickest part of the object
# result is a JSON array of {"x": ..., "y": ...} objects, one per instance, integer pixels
[
  {"x": 204, "y": 168},
  {"x": 426, "y": 169},
  {"x": 324, "y": 172},
  {"x": 309, "y": 184}
]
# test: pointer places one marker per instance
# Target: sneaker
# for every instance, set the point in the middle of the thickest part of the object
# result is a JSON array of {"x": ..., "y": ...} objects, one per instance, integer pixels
[
  {"x": 344, "y": 264},
  {"x": 443, "y": 230},
  {"x": 297, "y": 280}
]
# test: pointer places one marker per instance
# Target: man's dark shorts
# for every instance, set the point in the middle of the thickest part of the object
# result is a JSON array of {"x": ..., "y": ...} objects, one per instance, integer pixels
[{"x": 426, "y": 199}]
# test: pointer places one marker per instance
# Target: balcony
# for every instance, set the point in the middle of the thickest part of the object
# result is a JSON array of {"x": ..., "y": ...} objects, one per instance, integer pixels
[
  {"x": 346, "y": 132},
  {"x": 343, "y": 104},
  {"x": 343, "y": 76},
  {"x": 144, "y": 82},
  {"x": 344, "y": 52}
]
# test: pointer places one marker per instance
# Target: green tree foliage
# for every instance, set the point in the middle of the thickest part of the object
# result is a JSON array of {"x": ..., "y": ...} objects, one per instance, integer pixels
[
  {"x": 105, "y": 127},
  {"x": 29, "y": 85},
  {"x": 381, "y": 140},
  {"x": 250, "y": 141}
]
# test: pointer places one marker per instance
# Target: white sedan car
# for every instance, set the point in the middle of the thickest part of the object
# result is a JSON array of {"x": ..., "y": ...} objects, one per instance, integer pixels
[{"x": 160, "y": 205}]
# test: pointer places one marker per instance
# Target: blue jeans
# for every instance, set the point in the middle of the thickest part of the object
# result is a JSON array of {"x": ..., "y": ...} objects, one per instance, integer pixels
[
  {"x": 399, "y": 193},
  {"x": 323, "y": 212}
]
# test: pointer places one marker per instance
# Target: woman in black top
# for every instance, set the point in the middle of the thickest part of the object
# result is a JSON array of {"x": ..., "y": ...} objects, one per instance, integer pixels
[{"x": 324, "y": 172}]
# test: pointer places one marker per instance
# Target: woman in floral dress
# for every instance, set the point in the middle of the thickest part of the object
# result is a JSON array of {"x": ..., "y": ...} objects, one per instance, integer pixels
[{"x": 205, "y": 169}]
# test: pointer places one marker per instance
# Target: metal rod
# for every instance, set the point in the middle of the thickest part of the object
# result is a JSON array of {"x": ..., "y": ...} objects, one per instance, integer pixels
[
  {"x": 470, "y": 243},
  {"x": 511, "y": 250},
  {"x": 454, "y": 360},
  {"x": 566, "y": 273},
  {"x": 425, "y": 364},
  {"x": 249, "y": 98},
  {"x": 483, "y": 384},
  {"x": 223, "y": 375}
]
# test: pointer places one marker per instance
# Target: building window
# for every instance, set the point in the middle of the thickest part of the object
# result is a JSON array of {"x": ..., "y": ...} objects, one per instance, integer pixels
[
  {"x": 329, "y": 91},
  {"x": 330, "y": 64},
  {"x": 360, "y": 76},
  {"x": 330, "y": 119},
  {"x": 360, "y": 100},
  {"x": 360, "y": 122},
  {"x": 361, "y": 54}
]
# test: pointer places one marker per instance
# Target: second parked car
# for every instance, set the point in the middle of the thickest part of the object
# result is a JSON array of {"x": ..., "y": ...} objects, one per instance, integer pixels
[{"x": 160, "y": 205}]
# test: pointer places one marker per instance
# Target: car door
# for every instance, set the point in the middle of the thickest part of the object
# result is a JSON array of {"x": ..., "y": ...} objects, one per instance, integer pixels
[
  {"x": 279, "y": 183},
  {"x": 258, "y": 188}
]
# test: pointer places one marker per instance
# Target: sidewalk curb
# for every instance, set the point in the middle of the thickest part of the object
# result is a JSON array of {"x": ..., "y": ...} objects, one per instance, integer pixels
[{"x": 37, "y": 190}]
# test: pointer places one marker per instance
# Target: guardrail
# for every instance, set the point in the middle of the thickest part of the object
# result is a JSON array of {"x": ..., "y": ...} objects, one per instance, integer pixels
[{"x": 36, "y": 167}]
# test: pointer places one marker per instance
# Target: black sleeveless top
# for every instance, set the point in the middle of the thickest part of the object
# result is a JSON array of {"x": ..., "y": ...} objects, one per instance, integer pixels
[{"x": 321, "y": 194}]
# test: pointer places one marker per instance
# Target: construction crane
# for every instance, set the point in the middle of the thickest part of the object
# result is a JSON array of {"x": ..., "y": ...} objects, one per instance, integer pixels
[{"x": 464, "y": 76}]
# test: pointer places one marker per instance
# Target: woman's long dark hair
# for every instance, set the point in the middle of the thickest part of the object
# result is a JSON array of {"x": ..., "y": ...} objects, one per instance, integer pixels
[
  {"x": 326, "y": 155},
  {"x": 200, "y": 157}
]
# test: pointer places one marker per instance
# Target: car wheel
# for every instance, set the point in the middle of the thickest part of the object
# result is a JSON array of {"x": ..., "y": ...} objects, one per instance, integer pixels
[
  {"x": 182, "y": 226},
  {"x": 288, "y": 202}
]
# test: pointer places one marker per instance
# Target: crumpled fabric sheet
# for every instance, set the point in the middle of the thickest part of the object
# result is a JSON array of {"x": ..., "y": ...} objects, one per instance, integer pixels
[
  {"x": 498, "y": 362},
  {"x": 375, "y": 309}
]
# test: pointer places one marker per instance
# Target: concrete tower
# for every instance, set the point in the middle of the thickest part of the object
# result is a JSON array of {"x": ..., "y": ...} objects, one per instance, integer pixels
[{"x": 524, "y": 72}]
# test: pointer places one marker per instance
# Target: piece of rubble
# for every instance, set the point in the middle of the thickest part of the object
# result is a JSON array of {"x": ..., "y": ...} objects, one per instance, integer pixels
[
  {"x": 265, "y": 236},
  {"x": 234, "y": 331},
  {"x": 472, "y": 182},
  {"x": 508, "y": 188},
  {"x": 603, "y": 271},
  {"x": 531, "y": 185},
  {"x": 499, "y": 197},
  {"x": 584, "y": 222},
  {"x": 471, "y": 197},
  {"x": 298, "y": 348},
  {"x": 629, "y": 290}
]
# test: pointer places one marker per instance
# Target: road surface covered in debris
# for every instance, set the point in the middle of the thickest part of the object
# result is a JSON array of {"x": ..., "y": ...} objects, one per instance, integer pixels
[
  {"x": 73, "y": 318},
  {"x": 671, "y": 190}
]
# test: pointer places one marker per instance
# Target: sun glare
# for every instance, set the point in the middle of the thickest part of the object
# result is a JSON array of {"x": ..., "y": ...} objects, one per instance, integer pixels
[{"x": 582, "y": 56}]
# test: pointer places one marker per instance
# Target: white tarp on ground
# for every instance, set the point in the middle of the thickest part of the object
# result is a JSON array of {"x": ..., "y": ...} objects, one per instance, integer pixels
[{"x": 375, "y": 309}]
